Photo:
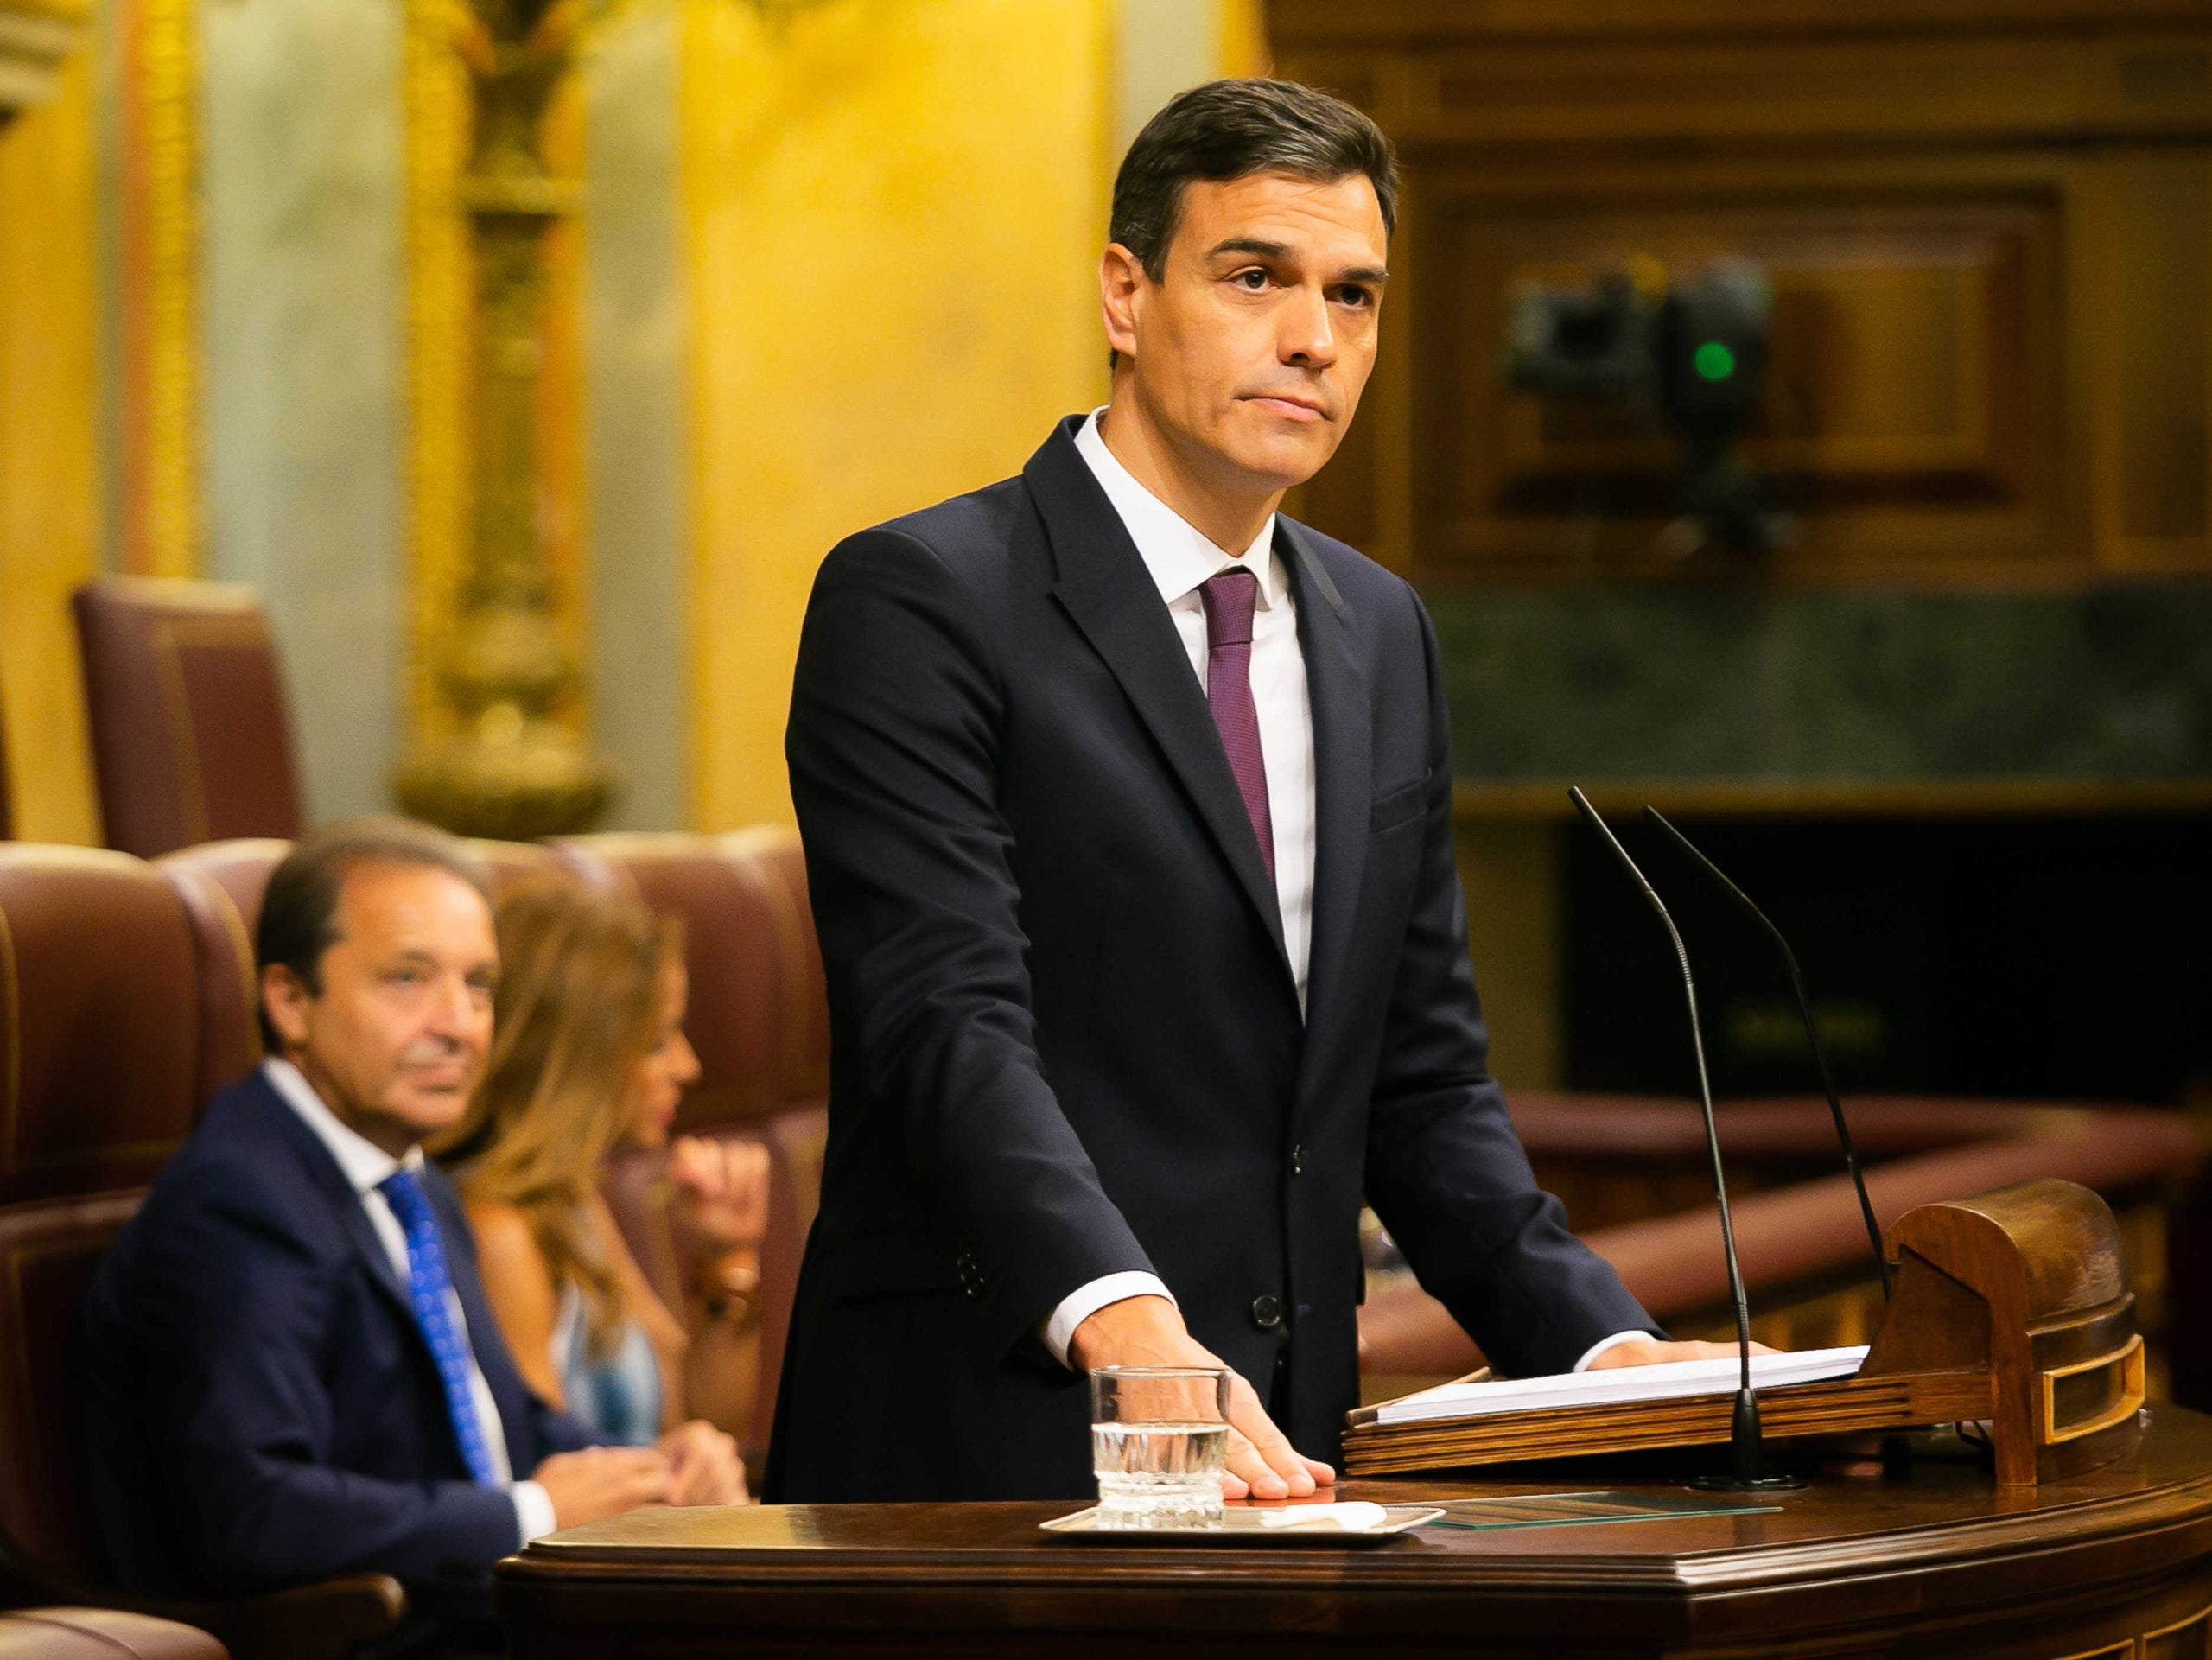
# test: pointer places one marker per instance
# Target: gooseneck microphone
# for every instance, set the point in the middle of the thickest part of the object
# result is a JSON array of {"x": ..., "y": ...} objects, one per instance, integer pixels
[
  {"x": 1747, "y": 1455},
  {"x": 1812, "y": 1034}
]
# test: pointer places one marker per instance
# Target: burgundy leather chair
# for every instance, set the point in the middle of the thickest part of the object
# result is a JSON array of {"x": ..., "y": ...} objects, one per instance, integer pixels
[
  {"x": 760, "y": 1019},
  {"x": 192, "y": 739},
  {"x": 101, "y": 1016},
  {"x": 220, "y": 885},
  {"x": 7, "y": 797}
]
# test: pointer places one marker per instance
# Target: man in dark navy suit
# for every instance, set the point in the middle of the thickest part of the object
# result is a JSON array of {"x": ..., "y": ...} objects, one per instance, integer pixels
[
  {"x": 1127, "y": 813},
  {"x": 290, "y": 1367}
]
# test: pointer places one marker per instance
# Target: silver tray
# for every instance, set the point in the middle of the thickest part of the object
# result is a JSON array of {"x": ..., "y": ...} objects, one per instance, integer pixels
[{"x": 1242, "y": 1529}]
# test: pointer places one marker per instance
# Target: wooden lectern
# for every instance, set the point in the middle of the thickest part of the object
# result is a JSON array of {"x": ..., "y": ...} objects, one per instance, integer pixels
[
  {"x": 2093, "y": 1543},
  {"x": 2011, "y": 1308}
]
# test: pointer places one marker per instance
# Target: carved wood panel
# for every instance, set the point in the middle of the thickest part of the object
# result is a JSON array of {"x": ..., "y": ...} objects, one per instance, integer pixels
[
  {"x": 1911, "y": 402},
  {"x": 1989, "y": 233}
]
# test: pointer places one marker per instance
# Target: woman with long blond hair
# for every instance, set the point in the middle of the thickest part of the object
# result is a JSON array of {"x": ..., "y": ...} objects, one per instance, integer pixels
[{"x": 588, "y": 1054}]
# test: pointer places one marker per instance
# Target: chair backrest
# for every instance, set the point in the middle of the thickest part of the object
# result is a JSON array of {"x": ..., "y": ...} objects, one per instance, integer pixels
[
  {"x": 101, "y": 1041},
  {"x": 7, "y": 796},
  {"x": 191, "y": 737},
  {"x": 760, "y": 1015},
  {"x": 101, "y": 1048},
  {"x": 221, "y": 885},
  {"x": 48, "y": 1251}
]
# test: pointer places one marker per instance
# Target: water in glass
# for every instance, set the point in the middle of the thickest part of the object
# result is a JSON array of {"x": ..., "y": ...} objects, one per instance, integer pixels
[
  {"x": 1157, "y": 1437},
  {"x": 1158, "y": 1475}
]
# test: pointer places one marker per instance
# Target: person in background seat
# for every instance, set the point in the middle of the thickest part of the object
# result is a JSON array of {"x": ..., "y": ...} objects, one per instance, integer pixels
[
  {"x": 289, "y": 1365},
  {"x": 590, "y": 1056}
]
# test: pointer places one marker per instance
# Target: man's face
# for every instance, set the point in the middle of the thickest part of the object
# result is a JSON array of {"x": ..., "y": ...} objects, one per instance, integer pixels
[
  {"x": 1250, "y": 351},
  {"x": 396, "y": 1039}
]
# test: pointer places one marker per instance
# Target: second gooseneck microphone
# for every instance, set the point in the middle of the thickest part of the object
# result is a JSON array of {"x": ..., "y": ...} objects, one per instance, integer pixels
[
  {"x": 1747, "y": 1455},
  {"x": 1812, "y": 1033}
]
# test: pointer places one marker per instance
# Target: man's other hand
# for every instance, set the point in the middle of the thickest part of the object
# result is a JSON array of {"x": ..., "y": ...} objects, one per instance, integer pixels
[
  {"x": 1650, "y": 1351},
  {"x": 1149, "y": 1331},
  {"x": 602, "y": 1481},
  {"x": 707, "y": 1469}
]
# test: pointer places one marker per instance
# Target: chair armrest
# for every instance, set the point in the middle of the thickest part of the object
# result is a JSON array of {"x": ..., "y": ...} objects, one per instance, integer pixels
[
  {"x": 93, "y": 1633},
  {"x": 321, "y": 1621}
]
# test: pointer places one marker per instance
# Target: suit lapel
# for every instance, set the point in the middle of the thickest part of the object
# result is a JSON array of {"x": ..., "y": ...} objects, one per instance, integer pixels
[
  {"x": 331, "y": 1181},
  {"x": 1105, "y": 589},
  {"x": 1336, "y": 690}
]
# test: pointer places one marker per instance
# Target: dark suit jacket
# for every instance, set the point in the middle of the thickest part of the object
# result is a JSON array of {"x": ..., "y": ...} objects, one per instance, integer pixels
[
  {"x": 1065, "y": 1037},
  {"x": 260, "y": 1406}
]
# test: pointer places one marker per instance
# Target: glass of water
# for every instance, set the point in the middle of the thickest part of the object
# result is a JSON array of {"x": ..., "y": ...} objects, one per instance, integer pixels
[{"x": 1158, "y": 1436}]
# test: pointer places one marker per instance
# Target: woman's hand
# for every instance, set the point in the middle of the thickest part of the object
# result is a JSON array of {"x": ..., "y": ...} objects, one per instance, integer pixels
[
  {"x": 724, "y": 1186},
  {"x": 704, "y": 1467}
]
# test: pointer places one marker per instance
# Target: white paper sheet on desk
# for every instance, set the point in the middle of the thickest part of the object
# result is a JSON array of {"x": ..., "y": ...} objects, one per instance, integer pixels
[
  {"x": 1348, "y": 1516},
  {"x": 1619, "y": 1385}
]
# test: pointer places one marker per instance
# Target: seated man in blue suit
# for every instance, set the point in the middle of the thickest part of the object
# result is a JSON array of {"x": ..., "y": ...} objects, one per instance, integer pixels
[{"x": 289, "y": 1369}]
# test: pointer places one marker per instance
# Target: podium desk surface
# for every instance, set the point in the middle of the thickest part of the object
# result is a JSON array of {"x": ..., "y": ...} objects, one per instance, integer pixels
[{"x": 2116, "y": 1564}]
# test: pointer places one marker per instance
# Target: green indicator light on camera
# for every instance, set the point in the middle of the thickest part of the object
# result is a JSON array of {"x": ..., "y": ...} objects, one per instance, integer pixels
[{"x": 1714, "y": 361}]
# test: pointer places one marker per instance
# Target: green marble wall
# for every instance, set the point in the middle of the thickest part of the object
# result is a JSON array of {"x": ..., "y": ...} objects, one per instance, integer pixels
[
  {"x": 305, "y": 361},
  {"x": 2113, "y": 684},
  {"x": 304, "y": 325},
  {"x": 638, "y": 438}
]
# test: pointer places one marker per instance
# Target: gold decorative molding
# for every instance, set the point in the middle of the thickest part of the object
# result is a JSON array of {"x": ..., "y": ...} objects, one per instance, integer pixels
[
  {"x": 158, "y": 295},
  {"x": 493, "y": 756},
  {"x": 438, "y": 444},
  {"x": 34, "y": 36}
]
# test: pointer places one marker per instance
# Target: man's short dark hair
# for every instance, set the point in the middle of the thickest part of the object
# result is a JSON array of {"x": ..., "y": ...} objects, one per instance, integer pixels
[
  {"x": 1227, "y": 129},
  {"x": 299, "y": 908}
]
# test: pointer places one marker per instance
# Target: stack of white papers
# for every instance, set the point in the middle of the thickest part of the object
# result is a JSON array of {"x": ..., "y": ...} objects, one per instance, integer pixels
[{"x": 1620, "y": 1385}]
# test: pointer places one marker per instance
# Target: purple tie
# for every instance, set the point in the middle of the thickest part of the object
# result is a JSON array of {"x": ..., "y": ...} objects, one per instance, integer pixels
[{"x": 1228, "y": 599}]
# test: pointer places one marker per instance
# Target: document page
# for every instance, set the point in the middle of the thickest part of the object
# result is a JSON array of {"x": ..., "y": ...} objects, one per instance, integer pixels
[{"x": 1620, "y": 1385}]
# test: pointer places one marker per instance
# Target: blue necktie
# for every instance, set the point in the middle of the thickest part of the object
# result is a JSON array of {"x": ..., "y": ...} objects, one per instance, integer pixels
[{"x": 428, "y": 1286}]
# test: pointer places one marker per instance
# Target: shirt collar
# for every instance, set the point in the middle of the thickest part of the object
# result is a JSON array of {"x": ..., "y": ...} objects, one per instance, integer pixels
[
  {"x": 366, "y": 1165},
  {"x": 1175, "y": 552}
]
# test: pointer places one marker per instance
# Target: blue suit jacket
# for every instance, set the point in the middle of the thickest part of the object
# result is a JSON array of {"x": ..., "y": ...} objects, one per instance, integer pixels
[{"x": 260, "y": 1406}]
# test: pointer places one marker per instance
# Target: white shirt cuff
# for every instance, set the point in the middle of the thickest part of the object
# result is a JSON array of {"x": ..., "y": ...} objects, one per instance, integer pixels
[
  {"x": 1613, "y": 1342},
  {"x": 533, "y": 1511},
  {"x": 1060, "y": 1330}
]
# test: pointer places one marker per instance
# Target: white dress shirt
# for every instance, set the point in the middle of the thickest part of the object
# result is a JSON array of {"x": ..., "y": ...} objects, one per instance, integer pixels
[
  {"x": 1180, "y": 560},
  {"x": 367, "y": 1167}
]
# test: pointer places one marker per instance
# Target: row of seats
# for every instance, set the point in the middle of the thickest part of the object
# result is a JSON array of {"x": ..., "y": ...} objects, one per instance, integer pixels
[{"x": 126, "y": 1001}]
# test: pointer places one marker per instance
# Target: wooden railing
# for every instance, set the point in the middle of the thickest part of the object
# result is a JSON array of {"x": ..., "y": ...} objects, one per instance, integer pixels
[{"x": 1634, "y": 1177}]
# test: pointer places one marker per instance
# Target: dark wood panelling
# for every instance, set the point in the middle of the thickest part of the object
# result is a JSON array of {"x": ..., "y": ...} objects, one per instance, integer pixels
[
  {"x": 1911, "y": 407},
  {"x": 1989, "y": 228},
  {"x": 1314, "y": 22}
]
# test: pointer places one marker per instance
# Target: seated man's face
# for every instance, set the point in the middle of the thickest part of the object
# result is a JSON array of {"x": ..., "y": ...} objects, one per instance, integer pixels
[{"x": 396, "y": 1039}]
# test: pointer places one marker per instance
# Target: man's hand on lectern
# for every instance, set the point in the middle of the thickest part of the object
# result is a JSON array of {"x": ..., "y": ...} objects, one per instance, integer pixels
[
  {"x": 1650, "y": 1351},
  {"x": 1149, "y": 1331}
]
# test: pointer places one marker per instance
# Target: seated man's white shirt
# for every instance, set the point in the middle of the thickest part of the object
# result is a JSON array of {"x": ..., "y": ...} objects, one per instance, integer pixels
[{"x": 367, "y": 1167}]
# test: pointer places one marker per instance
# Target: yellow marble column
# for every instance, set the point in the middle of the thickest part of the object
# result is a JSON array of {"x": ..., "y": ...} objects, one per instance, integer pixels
[
  {"x": 893, "y": 214},
  {"x": 49, "y": 408},
  {"x": 156, "y": 275}
]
